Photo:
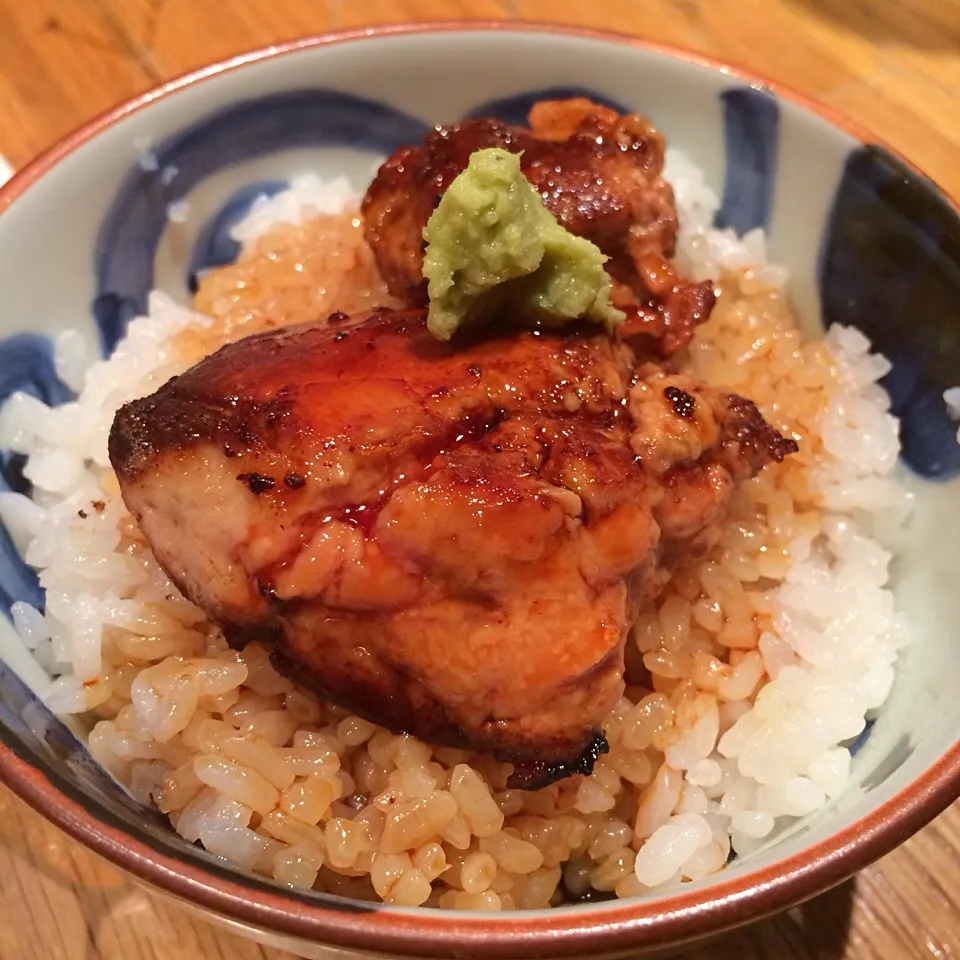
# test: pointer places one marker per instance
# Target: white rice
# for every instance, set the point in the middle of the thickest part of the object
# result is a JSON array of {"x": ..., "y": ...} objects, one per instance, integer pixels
[
  {"x": 307, "y": 197},
  {"x": 951, "y": 398},
  {"x": 703, "y": 252},
  {"x": 737, "y": 776},
  {"x": 178, "y": 211}
]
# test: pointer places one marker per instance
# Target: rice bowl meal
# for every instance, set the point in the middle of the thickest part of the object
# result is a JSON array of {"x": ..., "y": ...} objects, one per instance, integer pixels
[{"x": 546, "y": 613}]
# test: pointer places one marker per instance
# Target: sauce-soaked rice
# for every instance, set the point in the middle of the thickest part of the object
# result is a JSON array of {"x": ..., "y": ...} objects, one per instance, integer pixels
[{"x": 294, "y": 273}]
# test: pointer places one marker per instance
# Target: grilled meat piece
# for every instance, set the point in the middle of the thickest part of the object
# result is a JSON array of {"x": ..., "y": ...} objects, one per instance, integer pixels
[
  {"x": 451, "y": 540},
  {"x": 599, "y": 173}
]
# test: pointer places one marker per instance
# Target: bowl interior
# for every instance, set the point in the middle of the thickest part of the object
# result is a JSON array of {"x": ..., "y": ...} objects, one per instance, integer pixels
[{"x": 866, "y": 240}]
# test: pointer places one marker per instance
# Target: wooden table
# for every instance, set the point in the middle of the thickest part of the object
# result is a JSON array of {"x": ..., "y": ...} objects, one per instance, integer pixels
[{"x": 893, "y": 64}]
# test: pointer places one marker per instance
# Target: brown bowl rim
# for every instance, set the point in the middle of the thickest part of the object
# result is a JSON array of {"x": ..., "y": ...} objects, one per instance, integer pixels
[{"x": 669, "y": 920}]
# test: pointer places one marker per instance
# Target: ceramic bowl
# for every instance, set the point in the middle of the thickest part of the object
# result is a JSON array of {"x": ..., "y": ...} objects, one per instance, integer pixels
[{"x": 868, "y": 240}]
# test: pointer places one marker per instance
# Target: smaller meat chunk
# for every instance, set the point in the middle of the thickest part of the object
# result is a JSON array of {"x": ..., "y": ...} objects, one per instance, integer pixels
[{"x": 600, "y": 175}]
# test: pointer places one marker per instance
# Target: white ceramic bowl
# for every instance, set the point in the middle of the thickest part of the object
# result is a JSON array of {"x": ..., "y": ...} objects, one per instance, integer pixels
[{"x": 868, "y": 240}]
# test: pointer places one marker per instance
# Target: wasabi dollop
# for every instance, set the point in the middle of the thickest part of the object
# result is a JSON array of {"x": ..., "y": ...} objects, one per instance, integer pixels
[{"x": 493, "y": 246}]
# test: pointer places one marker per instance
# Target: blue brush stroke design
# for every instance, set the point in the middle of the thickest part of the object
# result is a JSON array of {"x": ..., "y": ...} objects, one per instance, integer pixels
[
  {"x": 25, "y": 718},
  {"x": 18, "y": 582},
  {"x": 131, "y": 230},
  {"x": 515, "y": 108},
  {"x": 890, "y": 266},
  {"x": 26, "y": 365},
  {"x": 214, "y": 247},
  {"x": 859, "y": 741},
  {"x": 751, "y": 128}
]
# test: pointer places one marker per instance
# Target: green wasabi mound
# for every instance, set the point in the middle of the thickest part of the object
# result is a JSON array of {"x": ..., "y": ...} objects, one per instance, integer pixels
[{"x": 493, "y": 245}]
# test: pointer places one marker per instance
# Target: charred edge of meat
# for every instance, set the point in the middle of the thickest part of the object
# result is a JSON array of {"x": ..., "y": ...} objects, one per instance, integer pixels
[
  {"x": 683, "y": 403},
  {"x": 783, "y": 446},
  {"x": 174, "y": 418},
  {"x": 238, "y": 635},
  {"x": 267, "y": 591},
  {"x": 698, "y": 301},
  {"x": 404, "y": 705},
  {"x": 745, "y": 427},
  {"x": 661, "y": 327},
  {"x": 536, "y": 774},
  {"x": 257, "y": 482}
]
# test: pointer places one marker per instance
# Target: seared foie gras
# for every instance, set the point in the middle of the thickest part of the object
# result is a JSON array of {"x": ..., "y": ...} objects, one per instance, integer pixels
[{"x": 452, "y": 540}]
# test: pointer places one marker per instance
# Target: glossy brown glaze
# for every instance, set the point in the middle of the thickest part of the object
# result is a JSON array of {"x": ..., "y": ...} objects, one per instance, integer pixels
[
  {"x": 471, "y": 526},
  {"x": 600, "y": 175}
]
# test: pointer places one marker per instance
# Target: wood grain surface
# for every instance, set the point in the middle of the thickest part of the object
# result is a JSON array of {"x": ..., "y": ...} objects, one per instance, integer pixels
[{"x": 892, "y": 64}]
